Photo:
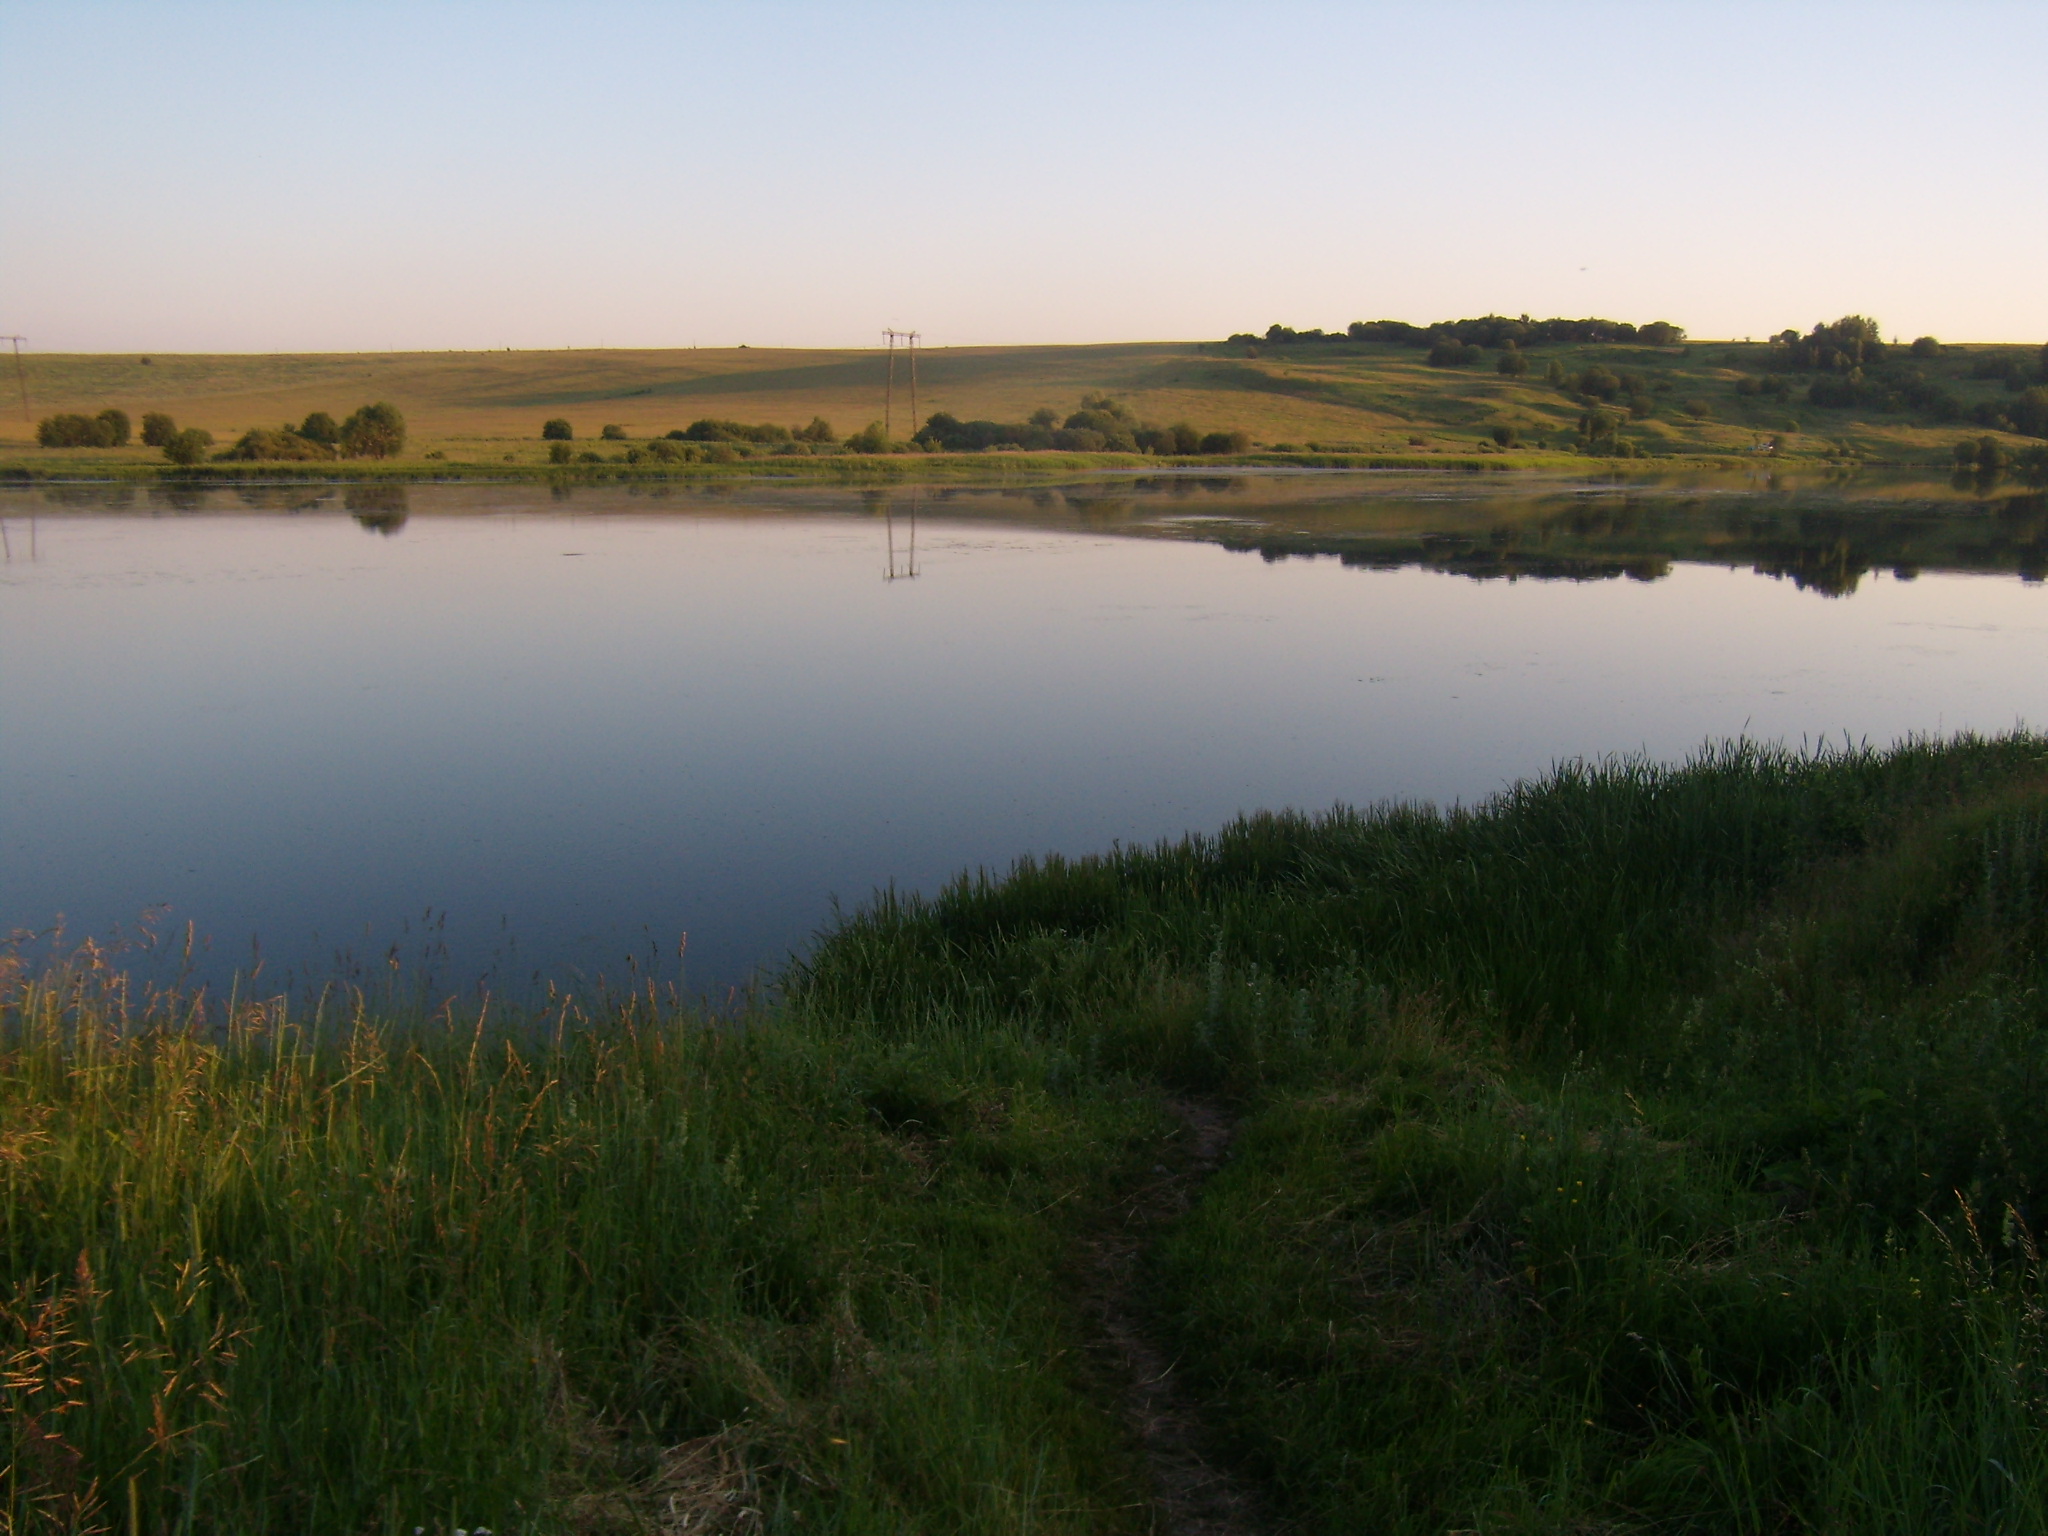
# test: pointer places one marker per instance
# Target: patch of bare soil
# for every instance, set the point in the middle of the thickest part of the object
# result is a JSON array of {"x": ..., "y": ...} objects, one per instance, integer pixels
[{"x": 1193, "y": 1495}]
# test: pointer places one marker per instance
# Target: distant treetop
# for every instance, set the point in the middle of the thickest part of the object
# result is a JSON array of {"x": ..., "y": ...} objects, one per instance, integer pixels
[{"x": 1486, "y": 331}]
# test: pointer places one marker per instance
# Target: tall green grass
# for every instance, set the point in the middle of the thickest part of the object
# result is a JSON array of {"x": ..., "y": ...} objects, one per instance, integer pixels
[{"x": 1652, "y": 1148}]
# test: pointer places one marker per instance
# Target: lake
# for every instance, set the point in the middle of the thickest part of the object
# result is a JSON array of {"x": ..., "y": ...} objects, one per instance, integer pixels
[{"x": 501, "y": 736}]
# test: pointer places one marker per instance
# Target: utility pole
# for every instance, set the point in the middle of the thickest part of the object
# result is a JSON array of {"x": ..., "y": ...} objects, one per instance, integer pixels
[
  {"x": 909, "y": 339},
  {"x": 20, "y": 377}
]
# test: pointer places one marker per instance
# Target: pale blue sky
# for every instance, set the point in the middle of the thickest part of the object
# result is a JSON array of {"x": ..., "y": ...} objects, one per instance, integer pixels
[{"x": 271, "y": 177}]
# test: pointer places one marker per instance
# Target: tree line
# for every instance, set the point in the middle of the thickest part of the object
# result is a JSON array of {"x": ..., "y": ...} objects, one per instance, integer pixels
[
  {"x": 1855, "y": 368},
  {"x": 1101, "y": 425},
  {"x": 1489, "y": 332},
  {"x": 371, "y": 432}
]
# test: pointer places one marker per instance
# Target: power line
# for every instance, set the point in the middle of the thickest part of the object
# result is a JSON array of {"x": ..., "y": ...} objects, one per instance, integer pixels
[
  {"x": 20, "y": 377},
  {"x": 909, "y": 339}
]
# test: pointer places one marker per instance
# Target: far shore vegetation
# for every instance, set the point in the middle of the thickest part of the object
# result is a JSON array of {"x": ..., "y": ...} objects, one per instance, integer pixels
[
  {"x": 1500, "y": 390},
  {"x": 1650, "y": 1148}
]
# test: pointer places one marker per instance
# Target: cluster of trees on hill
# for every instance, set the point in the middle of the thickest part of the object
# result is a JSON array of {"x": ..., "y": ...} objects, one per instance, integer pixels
[
  {"x": 371, "y": 432},
  {"x": 1488, "y": 331},
  {"x": 1855, "y": 368},
  {"x": 1101, "y": 425},
  {"x": 109, "y": 429}
]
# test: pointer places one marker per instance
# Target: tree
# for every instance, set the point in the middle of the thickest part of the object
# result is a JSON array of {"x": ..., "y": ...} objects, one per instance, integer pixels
[
  {"x": 1513, "y": 363},
  {"x": 1926, "y": 346},
  {"x": 188, "y": 447},
  {"x": 1506, "y": 435},
  {"x": 612, "y": 432},
  {"x": 819, "y": 431},
  {"x": 556, "y": 429},
  {"x": 373, "y": 432},
  {"x": 2030, "y": 411},
  {"x": 868, "y": 439},
  {"x": 1226, "y": 442},
  {"x": 319, "y": 427},
  {"x": 157, "y": 429},
  {"x": 559, "y": 453},
  {"x": 113, "y": 427}
]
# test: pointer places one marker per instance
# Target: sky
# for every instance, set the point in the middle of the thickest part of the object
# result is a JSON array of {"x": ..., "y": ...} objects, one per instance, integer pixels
[{"x": 433, "y": 174}]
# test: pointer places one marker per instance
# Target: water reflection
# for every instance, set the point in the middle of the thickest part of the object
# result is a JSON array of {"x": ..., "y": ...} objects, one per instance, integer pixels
[
  {"x": 379, "y": 508},
  {"x": 555, "y": 727}
]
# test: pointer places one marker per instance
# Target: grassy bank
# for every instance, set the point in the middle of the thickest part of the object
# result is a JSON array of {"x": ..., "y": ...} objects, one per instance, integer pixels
[
  {"x": 1305, "y": 402},
  {"x": 1649, "y": 1149}
]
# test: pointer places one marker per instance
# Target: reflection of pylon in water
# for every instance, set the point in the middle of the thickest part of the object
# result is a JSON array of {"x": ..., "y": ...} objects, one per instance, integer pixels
[{"x": 906, "y": 568}]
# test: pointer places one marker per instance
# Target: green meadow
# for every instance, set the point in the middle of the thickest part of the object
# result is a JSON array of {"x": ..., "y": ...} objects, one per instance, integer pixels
[
  {"x": 1330, "y": 400},
  {"x": 1648, "y": 1149}
]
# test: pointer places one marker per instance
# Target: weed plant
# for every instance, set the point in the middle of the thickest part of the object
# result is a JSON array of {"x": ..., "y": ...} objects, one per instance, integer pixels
[{"x": 1652, "y": 1148}]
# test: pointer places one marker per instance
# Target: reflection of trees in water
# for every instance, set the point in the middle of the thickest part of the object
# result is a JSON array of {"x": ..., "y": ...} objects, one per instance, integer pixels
[
  {"x": 381, "y": 508},
  {"x": 1825, "y": 550}
]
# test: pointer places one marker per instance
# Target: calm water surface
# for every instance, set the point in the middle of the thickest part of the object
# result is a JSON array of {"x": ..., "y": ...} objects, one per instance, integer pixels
[{"x": 502, "y": 735}]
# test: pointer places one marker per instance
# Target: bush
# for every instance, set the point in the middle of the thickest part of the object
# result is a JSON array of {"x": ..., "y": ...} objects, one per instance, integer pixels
[
  {"x": 1512, "y": 364},
  {"x": 1926, "y": 346},
  {"x": 109, "y": 429},
  {"x": 188, "y": 447},
  {"x": 559, "y": 453},
  {"x": 557, "y": 430},
  {"x": 1079, "y": 440},
  {"x": 712, "y": 430},
  {"x": 2030, "y": 411},
  {"x": 819, "y": 431},
  {"x": 1226, "y": 442},
  {"x": 1506, "y": 435},
  {"x": 319, "y": 427},
  {"x": 157, "y": 429},
  {"x": 1600, "y": 383},
  {"x": 1452, "y": 353},
  {"x": 612, "y": 432},
  {"x": 260, "y": 443},
  {"x": 869, "y": 439},
  {"x": 373, "y": 432}
]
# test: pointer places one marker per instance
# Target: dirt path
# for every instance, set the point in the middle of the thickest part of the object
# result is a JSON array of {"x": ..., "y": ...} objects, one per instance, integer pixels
[{"x": 1193, "y": 1496}]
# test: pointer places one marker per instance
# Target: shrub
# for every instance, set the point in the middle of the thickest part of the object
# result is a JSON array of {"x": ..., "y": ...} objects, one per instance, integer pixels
[
  {"x": 319, "y": 427},
  {"x": 1926, "y": 346},
  {"x": 557, "y": 430},
  {"x": 2030, "y": 411},
  {"x": 188, "y": 447},
  {"x": 819, "y": 431},
  {"x": 1506, "y": 435},
  {"x": 157, "y": 429},
  {"x": 1661, "y": 333},
  {"x": 1555, "y": 373},
  {"x": 260, "y": 443},
  {"x": 109, "y": 429},
  {"x": 65, "y": 431},
  {"x": 712, "y": 430},
  {"x": 1226, "y": 442},
  {"x": 1452, "y": 353},
  {"x": 559, "y": 452},
  {"x": 1512, "y": 364},
  {"x": 1079, "y": 440},
  {"x": 1697, "y": 408},
  {"x": 868, "y": 439},
  {"x": 1600, "y": 383},
  {"x": 612, "y": 432},
  {"x": 373, "y": 432}
]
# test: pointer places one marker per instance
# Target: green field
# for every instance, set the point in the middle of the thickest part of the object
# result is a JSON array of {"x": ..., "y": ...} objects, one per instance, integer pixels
[
  {"x": 1647, "y": 1150},
  {"x": 485, "y": 409}
]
